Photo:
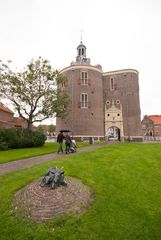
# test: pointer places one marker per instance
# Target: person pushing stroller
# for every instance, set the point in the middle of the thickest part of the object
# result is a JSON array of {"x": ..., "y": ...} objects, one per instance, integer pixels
[
  {"x": 67, "y": 143},
  {"x": 70, "y": 144}
]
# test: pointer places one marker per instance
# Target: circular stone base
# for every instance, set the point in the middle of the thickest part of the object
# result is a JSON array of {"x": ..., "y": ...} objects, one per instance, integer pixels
[{"x": 42, "y": 203}]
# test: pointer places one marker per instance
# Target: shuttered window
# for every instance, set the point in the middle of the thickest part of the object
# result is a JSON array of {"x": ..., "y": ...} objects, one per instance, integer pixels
[
  {"x": 84, "y": 100},
  {"x": 84, "y": 78}
]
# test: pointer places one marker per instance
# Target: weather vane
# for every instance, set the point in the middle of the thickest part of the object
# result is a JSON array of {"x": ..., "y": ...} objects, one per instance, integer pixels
[{"x": 81, "y": 33}]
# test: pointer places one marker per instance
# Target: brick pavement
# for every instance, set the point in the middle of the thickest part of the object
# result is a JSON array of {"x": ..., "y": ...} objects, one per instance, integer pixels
[
  {"x": 38, "y": 203},
  {"x": 26, "y": 163}
]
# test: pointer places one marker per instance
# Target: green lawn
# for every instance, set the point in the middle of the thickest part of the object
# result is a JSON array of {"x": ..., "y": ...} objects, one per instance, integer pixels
[
  {"x": 126, "y": 181},
  {"x": 17, "y": 154}
]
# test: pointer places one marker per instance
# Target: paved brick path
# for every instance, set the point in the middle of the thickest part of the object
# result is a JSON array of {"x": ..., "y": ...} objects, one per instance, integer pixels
[
  {"x": 25, "y": 163},
  {"x": 43, "y": 203}
]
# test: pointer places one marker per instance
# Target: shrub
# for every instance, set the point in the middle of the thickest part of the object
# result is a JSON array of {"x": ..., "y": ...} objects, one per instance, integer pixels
[
  {"x": 38, "y": 139},
  {"x": 3, "y": 146},
  {"x": 13, "y": 138}
]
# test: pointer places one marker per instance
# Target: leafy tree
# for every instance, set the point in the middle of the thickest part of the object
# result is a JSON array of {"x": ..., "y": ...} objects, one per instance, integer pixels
[
  {"x": 34, "y": 91},
  {"x": 40, "y": 128},
  {"x": 51, "y": 128}
]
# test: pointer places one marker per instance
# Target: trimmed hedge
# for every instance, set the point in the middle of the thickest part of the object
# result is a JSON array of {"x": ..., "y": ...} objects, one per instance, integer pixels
[{"x": 13, "y": 138}]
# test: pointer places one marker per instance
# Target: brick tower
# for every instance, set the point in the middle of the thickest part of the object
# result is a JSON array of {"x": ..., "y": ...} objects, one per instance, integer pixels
[{"x": 102, "y": 105}]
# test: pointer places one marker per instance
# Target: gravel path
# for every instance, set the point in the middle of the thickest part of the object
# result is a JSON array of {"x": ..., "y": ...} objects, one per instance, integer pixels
[{"x": 25, "y": 163}]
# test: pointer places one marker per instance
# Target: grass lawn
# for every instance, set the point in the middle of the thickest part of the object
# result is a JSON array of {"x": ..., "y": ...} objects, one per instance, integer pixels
[
  {"x": 126, "y": 182},
  {"x": 17, "y": 154}
]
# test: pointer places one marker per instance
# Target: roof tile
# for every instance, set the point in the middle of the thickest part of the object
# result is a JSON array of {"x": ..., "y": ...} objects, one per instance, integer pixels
[
  {"x": 155, "y": 118},
  {"x": 4, "y": 108}
]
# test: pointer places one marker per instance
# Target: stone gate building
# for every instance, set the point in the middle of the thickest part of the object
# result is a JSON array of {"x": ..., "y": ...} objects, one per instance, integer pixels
[{"x": 102, "y": 104}]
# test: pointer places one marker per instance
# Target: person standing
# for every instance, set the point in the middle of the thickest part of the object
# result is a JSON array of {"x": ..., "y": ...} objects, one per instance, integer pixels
[{"x": 60, "y": 139}]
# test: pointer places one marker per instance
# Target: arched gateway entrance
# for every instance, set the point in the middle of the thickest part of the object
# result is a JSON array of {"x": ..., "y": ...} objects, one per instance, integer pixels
[
  {"x": 113, "y": 134},
  {"x": 113, "y": 120}
]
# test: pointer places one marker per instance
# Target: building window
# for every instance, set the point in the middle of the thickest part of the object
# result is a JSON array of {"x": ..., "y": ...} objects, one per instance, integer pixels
[
  {"x": 81, "y": 51},
  {"x": 63, "y": 85},
  {"x": 84, "y": 78},
  {"x": 117, "y": 101},
  {"x": 108, "y": 102},
  {"x": 112, "y": 87},
  {"x": 84, "y": 100}
]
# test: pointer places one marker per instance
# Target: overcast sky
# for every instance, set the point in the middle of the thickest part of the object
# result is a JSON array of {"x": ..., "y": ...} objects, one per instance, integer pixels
[{"x": 118, "y": 34}]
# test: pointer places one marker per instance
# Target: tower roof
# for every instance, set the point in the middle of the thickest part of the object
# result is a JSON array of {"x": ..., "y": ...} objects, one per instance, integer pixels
[
  {"x": 81, "y": 55},
  {"x": 81, "y": 45}
]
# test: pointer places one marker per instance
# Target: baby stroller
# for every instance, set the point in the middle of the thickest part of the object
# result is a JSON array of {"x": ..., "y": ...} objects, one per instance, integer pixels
[{"x": 72, "y": 146}]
